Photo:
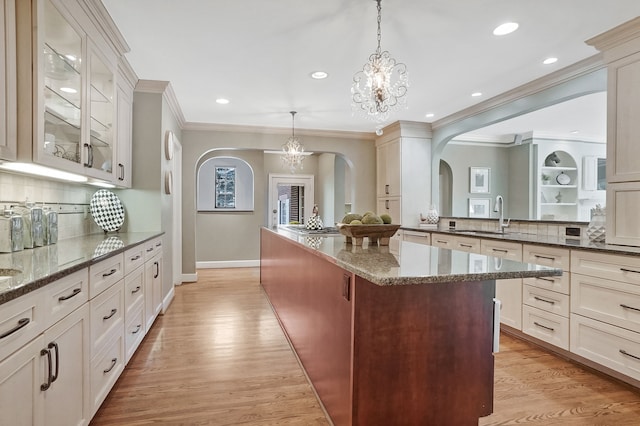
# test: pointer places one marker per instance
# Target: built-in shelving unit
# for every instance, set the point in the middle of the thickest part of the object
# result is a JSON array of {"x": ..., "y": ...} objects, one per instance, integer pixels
[{"x": 558, "y": 187}]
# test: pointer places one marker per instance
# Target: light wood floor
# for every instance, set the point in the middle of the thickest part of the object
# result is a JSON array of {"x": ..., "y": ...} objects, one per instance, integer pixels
[{"x": 219, "y": 357}]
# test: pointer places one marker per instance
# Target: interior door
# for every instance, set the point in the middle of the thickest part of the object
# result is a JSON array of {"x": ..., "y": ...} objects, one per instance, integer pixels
[{"x": 286, "y": 190}]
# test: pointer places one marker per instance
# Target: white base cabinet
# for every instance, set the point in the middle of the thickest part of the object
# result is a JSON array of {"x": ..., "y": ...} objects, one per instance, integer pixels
[
  {"x": 153, "y": 280},
  {"x": 47, "y": 380}
]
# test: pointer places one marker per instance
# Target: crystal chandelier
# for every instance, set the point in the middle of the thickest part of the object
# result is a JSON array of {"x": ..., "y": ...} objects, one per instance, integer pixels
[
  {"x": 381, "y": 87},
  {"x": 292, "y": 151}
]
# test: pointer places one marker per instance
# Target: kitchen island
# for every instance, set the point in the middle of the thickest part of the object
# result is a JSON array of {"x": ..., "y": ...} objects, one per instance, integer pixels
[{"x": 389, "y": 338}]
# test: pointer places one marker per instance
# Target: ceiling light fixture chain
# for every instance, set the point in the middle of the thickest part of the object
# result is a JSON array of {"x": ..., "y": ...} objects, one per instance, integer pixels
[
  {"x": 380, "y": 88},
  {"x": 292, "y": 150}
]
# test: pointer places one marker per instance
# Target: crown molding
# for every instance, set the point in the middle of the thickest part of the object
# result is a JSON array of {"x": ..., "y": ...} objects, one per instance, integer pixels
[
  {"x": 612, "y": 41},
  {"x": 586, "y": 66},
  {"x": 125, "y": 70},
  {"x": 103, "y": 20},
  {"x": 235, "y": 128},
  {"x": 404, "y": 129},
  {"x": 164, "y": 88}
]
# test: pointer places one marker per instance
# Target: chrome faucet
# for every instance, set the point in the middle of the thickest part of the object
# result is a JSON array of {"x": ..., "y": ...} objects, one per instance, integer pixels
[{"x": 499, "y": 208}]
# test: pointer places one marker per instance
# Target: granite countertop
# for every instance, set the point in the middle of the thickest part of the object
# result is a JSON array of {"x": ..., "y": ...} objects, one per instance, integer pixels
[
  {"x": 413, "y": 263},
  {"x": 42, "y": 265},
  {"x": 545, "y": 240}
]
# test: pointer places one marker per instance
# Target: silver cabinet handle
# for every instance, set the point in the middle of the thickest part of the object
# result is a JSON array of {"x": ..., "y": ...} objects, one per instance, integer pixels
[
  {"x": 629, "y": 270},
  {"x": 22, "y": 322},
  {"x": 540, "y": 299},
  {"x": 629, "y": 307},
  {"x": 544, "y": 257},
  {"x": 113, "y": 312},
  {"x": 113, "y": 364},
  {"x": 623, "y": 352},
  {"x": 544, "y": 326}
]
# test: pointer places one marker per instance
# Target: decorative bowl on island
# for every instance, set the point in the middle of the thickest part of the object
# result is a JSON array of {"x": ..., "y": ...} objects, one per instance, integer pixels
[{"x": 377, "y": 234}]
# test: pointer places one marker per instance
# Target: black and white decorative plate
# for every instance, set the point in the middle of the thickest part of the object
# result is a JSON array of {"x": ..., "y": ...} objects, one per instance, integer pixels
[
  {"x": 107, "y": 210},
  {"x": 108, "y": 245}
]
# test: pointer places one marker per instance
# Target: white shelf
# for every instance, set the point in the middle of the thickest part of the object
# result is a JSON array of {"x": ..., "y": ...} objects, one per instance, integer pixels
[
  {"x": 558, "y": 168},
  {"x": 558, "y": 186},
  {"x": 558, "y": 204}
]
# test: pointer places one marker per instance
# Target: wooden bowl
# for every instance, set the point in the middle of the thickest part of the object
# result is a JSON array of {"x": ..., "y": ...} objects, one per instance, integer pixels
[{"x": 377, "y": 234}]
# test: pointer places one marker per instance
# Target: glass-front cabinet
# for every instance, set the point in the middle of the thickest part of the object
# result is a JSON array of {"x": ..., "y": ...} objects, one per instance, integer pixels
[{"x": 74, "y": 97}]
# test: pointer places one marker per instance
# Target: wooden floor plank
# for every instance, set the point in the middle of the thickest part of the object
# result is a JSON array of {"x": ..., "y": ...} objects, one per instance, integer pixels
[{"x": 219, "y": 357}]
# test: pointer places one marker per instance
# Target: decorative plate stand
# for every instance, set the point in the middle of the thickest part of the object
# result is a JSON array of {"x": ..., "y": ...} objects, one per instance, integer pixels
[{"x": 107, "y": 210}]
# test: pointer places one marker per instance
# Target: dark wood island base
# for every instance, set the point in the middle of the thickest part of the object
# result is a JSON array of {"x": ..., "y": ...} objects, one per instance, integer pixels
[{"x": 418, "y": 354}]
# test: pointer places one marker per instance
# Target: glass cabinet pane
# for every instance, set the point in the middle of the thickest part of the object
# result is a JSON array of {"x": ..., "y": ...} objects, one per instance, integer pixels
[
  {"x": 62, "y": 62},
  {"x": 101, "y": 113}
]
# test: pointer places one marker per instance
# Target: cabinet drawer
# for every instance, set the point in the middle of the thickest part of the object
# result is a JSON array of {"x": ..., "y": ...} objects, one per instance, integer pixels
[
  {"x": 151, "y": 248},
  {"x": 611, "y": 346},
  {"x": 106, "y": 367},
  {"x": 503, "y": 249},
  {"x": 560, "y": 284},
  {"x": 134, "y": 329},
  {"x": 441, "y": 240},
  {"x": 133, "y": 258},
  {"x": 607, "y": 266},
  {"x": 66, "y": 295},
  {"x": 468, "y": 244},
  {"x": 613, "y": 302},
  {"x": 554, "y": 257},
  {"x": 417, "y": 237},
  {"x": 546, "y": 326},
  {"x": 550, "y": 301},
  {"x": 21, "y": 320},
  {"x": 133, "y": 288},
  {"x": 107, "y": 314},
  {"x": 104, "y": 274}
]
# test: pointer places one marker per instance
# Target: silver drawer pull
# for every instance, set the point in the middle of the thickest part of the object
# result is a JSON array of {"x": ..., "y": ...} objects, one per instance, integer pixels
[
  {"x": 623, "y": 352},
  {"x": 22, "y": 322},
  {"x": 113, "y": 312},
  {"x": 551, "y": 280},
  {"x": 540, "y": 299},
  {"x": 629, "y": 270},
  {"x": 149, "y": 249},
  {"x": 136, "y": 257},
  {"x": 75, "y": 292},
  {"x": 111, "y": 272},
  {"x": 466, "y": 245},
  {"x": 629, "y": 307},
  {"x": 442, "y": 242},
  {"x": 137, "y": 289},
  {"x": 139, "y": 326},
  {"x": 500, "y": 250},
  {"x": 543, "y": 326},
  {"x": 544, "y": 257},
  {"x": 113, "y": 364}
]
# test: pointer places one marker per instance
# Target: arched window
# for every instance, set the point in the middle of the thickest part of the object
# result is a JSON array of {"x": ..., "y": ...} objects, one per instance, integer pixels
[{"x": 225, "y": 184}]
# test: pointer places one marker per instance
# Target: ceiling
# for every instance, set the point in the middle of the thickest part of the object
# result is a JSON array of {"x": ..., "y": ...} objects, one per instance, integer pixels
[{"x": 260, "y": 54}]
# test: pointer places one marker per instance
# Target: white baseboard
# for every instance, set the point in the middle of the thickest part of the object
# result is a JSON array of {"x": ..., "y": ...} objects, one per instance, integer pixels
[
  {"x": 189, "y": 278},
  {"x": 228, "y": 264},
  {"x": 168, "y": 299}
]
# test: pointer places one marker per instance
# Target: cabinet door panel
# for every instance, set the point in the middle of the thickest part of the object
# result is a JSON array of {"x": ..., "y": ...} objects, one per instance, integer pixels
[
  {"x": 623, "y": 126},
  {"x": 66, "y": 401},
  {"x": 20, "y": 379}
]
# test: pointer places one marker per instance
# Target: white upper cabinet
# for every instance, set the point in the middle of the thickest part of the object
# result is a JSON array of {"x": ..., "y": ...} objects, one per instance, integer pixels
[
  {"x": 621, "y": 51},
  {"x": 59, "y": 80},
  {"x": 8, "y": 120},
  {"x": 71, "y": 64}
]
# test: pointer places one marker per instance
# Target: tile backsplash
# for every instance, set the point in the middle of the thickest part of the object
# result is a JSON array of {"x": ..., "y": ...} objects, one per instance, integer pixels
[
  {"x": 71, "y": 200},
  {"x": 555, "y": 229}
]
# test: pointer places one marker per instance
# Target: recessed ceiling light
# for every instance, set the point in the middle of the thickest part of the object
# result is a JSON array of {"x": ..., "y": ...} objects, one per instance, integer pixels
[
  {"x": 476, "y": 94},
  {"x": 550, "y": 61},
  {"x": 68, "y": 90},
  {"x": 506, "y": 28},
  {"x": 575, "y": 132},
  {"x": 429, "y": 115},
  {"x": 319, "y": 75},
  {"x": 222, "y": 101}
]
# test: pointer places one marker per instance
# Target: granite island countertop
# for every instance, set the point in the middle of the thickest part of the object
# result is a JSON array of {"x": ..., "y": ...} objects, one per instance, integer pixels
[
  {"x": 413, "y": 263},
  {"x": 40, "y": 266}
]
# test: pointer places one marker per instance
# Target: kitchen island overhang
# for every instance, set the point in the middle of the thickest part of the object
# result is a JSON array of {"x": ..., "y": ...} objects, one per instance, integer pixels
[{"x": 389, "y": 338}]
